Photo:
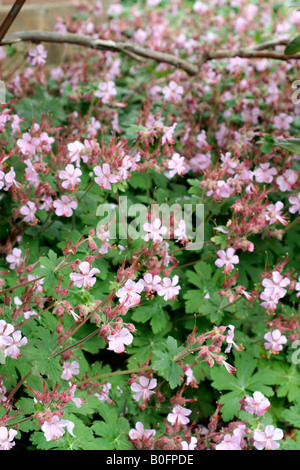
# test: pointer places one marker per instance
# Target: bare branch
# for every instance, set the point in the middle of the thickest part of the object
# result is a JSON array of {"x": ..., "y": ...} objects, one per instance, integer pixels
[
  {"x": 271, "y": 44},
  {"x": 251, "y": 54},
  {"x": 138, "y": 52}
]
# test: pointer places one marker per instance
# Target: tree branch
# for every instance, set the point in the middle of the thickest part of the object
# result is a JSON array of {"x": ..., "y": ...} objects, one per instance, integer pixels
[
  {"x": 139, "y": 53},
  {"x": 10, "y": 18}
]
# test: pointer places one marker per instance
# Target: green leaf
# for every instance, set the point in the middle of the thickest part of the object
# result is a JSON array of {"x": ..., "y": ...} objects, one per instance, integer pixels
[
  {"x": 288, "y": 381},
  {"x": 41, "y": 105},
  {"x": 247, "y": 379},
  {"x": 291, "y": 444},
  {"x": 113, "y": 430},
  {"x": 211, "y": 307},
  {"x": 48, "y": 265},
  {"x": 166, "y": 366},
  {"x": 131, "y": 132},
  {"x": 292, "y": 415},
  {"x": 154, "y": 312},
  {"x": 220, "y": 240},
  {"x": 38, "y": 353},
  {"x": 291, "y": 145},
  {"x": 293, "y": 47}
]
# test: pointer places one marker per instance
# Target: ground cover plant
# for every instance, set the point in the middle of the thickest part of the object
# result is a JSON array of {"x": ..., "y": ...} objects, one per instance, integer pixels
[{"x": 149, "y": 258}]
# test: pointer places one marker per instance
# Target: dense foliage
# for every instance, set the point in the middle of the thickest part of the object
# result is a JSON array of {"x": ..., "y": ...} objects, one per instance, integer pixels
[{"x": 116, "y": 330}]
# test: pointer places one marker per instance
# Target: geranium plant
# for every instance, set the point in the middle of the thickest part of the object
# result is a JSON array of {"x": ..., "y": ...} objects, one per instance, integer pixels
[{"x": 150, "y": 266}]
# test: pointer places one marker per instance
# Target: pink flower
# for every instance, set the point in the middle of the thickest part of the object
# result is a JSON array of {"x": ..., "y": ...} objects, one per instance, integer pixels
[
  {"x": 227, "y": 259},
  {"x": 151, "y": 283},
  {"x": 140, "y": 433},
  {"x": 75, "y": 152},
  {"x": 200, "y": 162},
  {"x": 140, "y": 36},
  {"x": 106, "y": 91},
  {"x": 64, "y": 207},
  {"x": 273, "y": 213},
  {"x": 93, "y": 128},
  {"x": 287, "y": 180},
  {"x": 169, "y": 288},
  {"x": 297, "y": 287},
  {"x": 236, "y": 65},
  {"x": 46, "y": 141},
  {"x": 54, "y": 428},
  {"x": 3, "y": 397},
  {"x": 202, "y": 139},
  {"x": 143, "y": 389},
  {"x": 31, "y": 175},
  {"x": 267, "y": 439},
  {"x": 29, "y": 313},
  {"x": 104, "y": 177},
  {"x": 47, "y": 204},
  {"x": 17, "y": 341},
  {"x": 275, "y": 287},
  {"x": 2, "y": 179},
  {"x": 257, "y": 405},
  {"x": 124, "y": 170},
  {"x": 118, "y": 339},
  {"x": 103, "y": 394},
  {"x": 189, "y": 446},
  {"x": 274, "y": 341},
  {"x": 70, "y": 176},
  {"x": 6, "y": 329},
  {"x": 77, "y": 401},
  {"x": 37, "y": 56},
  {"x": 28, "y": 211},
  {"x": 230, "y": 369},
  {"x": 103, "y": 234},
  {"x": 28, "y": 144},
  {"x": 173, "y": 92},
  {"x": 70, "y": 369},
  {"x": 168, "y": 132},
  {"x": 230, "y": 442},
  {"x": 264, "y": 174},
  {"x": 129, "y": 294},
  {"x": 178, "y": 416},
  {"x": 228, "y": 163},
  {"x": 155, "y": 231},
  {"x": 115, "y": 9},
  {"x": 190, "y": 379},
  {"x": 85, "y": 278},
  {"x": 180, "y": 231},
  {"x": 269, "y": 303},
  {"x": 6, "y": 438},
  {"x": 129, "y": 164},
  {"x": 15, "y": 258},
  {"x": 283, "y": 121},
  {"x": 295, "y": 204},
  {"x": 38, "y": 284},
  {"x": 10, "y": 180},
  {"x": 176, "y": 166},
  {"x": 224, "y": 189},
  {"x": 235, "y": 441},
  {"x": 230, "y": 341}
]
